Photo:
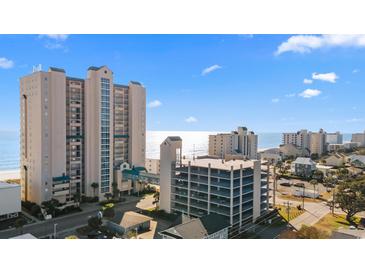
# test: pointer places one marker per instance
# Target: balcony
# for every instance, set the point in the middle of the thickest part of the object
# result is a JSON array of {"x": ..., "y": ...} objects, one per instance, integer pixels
[
  {"x": 198, "y": 212},
  {"x": 221, "y": 193},
  {"x": 199, "y": 205},
  {"x": 61, "y": 193}
]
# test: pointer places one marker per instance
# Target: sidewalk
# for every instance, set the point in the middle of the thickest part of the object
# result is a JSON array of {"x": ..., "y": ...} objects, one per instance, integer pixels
[{"x": 312, "y": 214}]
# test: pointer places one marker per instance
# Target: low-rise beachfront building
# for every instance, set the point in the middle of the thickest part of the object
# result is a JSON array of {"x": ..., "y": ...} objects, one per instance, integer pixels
[
  {"x": 335, "y": 147},
  {"x": 351, "y": 145},
  {"x": 291, "y": 150},
  {"x": 273, "y": 155},
  {"x": 336, "y": 160},
  {"x": 303, "y": 167},
  {"x": 235, "y": 189},
  {"x": 357, "y": 161},
  {"x": 324, "y": 169},
  {"x": 10, "y": 200}
]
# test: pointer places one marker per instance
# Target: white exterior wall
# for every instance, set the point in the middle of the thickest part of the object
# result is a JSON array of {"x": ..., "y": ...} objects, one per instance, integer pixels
[
  {"x": 137, "y": 125},
  {"x": 358, "y": 138},
  {"x": 168, "y": 155},
  {"x": 334, "y": 138},
  {"x": 256, "y": 190},
  {"x": 153, "y": 166},
  {"x": 93, "y": 127},
  {"x": 10, "y": 198},
  {"x": 56, "y": 151}
]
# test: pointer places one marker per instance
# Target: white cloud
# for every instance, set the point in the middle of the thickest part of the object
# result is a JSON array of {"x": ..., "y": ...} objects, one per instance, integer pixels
[
  {"x": 210, "y": 69},
  {"x": 308, "y": 43},
  {"x": 355, "y": 71},
  {"x": 309, "y": 93},
  {"x": 290, "y": 95},
  {"x": 355, "y": 120},
  {"x": 6, "y": 63},
  {"x": 328, "y": 77},
  {"x": 191, "y": 119},
  {"x": 154, "y": 104},
  {"x": 307, "y": 81},
  {"x": 275, "y": 100},
  {"x": 58, "y": 37}
]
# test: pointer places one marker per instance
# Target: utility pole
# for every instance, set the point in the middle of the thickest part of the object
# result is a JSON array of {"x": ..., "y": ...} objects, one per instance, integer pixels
[
  {"x": 54, "y": 231},
  {"x": 288, "y": 209},
  {"x": 274, "y": 187},
  {"x": 333, "y": 200},
  {"x": 303, "y": 196},
  {"x": 268, "y": 186}
]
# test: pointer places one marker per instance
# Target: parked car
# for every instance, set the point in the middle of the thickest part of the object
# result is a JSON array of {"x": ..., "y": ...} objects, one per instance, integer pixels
[{"x": 299, "y": 184}]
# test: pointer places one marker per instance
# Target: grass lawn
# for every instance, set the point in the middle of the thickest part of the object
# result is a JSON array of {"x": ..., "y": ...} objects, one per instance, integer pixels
[
  {"x": 333, "y": 222},
  {"x": 293, "y": 213}
]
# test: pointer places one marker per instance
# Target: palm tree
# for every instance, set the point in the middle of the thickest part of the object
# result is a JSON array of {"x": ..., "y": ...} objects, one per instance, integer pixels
[
  {"x": 19, "y": 223},
  {"x": 108, "y": 196},
  {"x": 94, "y": 186},
  {"x": 115, "y": 190},
  {"x": 156, "y": 196},
  {"x": 314, "y": 183}
]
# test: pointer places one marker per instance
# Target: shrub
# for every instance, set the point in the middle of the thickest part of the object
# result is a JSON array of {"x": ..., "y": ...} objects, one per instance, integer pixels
[
  {"x": 86, "y": 199},
  {"x": 35, "y": 210}
]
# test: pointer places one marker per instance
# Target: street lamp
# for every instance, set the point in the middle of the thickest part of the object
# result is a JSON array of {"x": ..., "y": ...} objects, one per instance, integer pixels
[{"x": 54, "y": 230}]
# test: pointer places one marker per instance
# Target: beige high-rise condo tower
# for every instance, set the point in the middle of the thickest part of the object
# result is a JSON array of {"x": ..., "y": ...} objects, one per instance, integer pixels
[
  {"x": 237, "y": 144},
  {"x": 75, "y": 132}
]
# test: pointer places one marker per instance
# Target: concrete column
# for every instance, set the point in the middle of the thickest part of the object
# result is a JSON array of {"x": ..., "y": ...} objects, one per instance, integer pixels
[
  {"x": 268, "y": 187},
  {"x": 241, "y": 193},
  {"x": 231, "y": 201},
  {"x": 256, "y": 189},
  {"x": 208, "y": 189},
  {"x": 189, "y": 186}
]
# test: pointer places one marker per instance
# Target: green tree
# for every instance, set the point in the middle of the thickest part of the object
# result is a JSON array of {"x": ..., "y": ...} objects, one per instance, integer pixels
[
  {"x": 77, "y": 197},
  {"x": 94, "y": 222},
  {"x": 314, "y": 182},
  {"x": 156, "y": 197},
  {"x": 343, "y": 173},
  {"x": 95, "y": 186},
  {"x": 35, "y": 210},
  {"x": 310, "y": 232},
  {"x": 51, "y": 206},
  {"x": 350, "y": 197},
  {"x": 19, "y": 224},
  {"x": 115, "y": 190},
  {"x": 109, "y": 213},
  {"x": 318, "y": 175}
]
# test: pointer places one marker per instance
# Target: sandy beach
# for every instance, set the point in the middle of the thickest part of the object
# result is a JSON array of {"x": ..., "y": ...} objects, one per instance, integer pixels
[{"x": 9, "y": 174}]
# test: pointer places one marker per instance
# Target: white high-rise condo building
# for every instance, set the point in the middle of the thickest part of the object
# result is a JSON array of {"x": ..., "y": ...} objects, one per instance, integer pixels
[
  {"x": 241, "y": 143},
  {"x": 334, "y": 138},
  {"x": 75, "y": 132},
  {"x": 234, "y": 189},
  {"x": 299, "y": 139},
  {"x": 359, "y": 138}
]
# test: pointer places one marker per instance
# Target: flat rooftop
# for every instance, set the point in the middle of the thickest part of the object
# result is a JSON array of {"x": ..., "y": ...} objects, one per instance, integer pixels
[
  {"x": 219, "y": 163},
  {"x": 8, "y": 185}
]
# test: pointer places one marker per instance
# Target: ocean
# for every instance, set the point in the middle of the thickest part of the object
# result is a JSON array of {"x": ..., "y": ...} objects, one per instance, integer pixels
[{"x": 194, "y": 143}]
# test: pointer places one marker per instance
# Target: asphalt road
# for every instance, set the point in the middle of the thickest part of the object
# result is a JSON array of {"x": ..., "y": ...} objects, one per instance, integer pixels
[{"x": 45, "y": 228}]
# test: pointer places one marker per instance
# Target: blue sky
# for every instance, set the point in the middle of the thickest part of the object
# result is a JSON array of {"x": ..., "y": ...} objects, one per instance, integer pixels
[{"x": 209, "y": 82}]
